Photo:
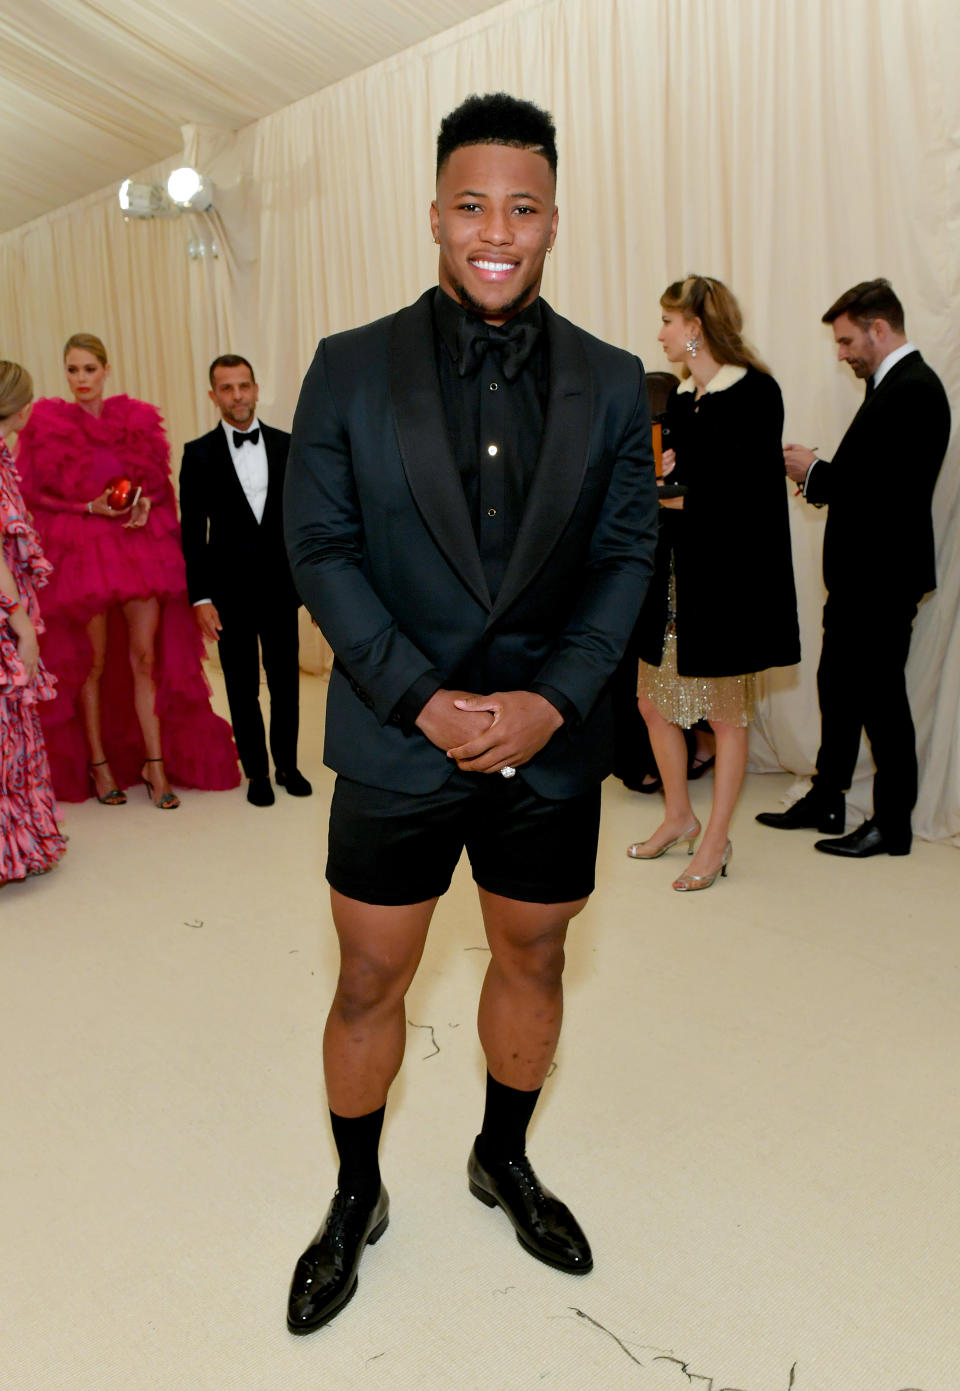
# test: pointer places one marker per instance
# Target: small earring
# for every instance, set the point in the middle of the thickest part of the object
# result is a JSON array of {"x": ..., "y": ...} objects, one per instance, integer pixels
[
  {"x": 549, "y": 250},
  {"x": 692, "y": 345},
  {"x": 436, "y": 241}
]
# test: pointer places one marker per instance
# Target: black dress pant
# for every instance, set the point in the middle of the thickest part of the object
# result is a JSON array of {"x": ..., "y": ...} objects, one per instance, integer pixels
[
  {"x": 274, "y": 630},
  {"x": 862, "y": 685}
]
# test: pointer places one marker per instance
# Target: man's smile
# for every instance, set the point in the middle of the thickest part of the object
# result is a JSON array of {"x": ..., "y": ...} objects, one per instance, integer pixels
[{"x": 492, "y": 270}]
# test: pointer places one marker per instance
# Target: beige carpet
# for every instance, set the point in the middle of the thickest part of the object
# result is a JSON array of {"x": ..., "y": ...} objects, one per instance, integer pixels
[{"x": 754, "y": 1114}]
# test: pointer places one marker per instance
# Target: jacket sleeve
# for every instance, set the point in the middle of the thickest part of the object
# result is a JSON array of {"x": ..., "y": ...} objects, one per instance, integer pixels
[
  {"x": 194, "y": 520},
  {"x": 325, "y": 543},
  {"x": 618, "y": 570},
  {"x": 817, "y": 484}
]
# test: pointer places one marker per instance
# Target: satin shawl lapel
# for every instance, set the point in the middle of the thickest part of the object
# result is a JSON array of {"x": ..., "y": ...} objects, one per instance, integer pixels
[
  {"x": 868, "y": 404},
  {"x": 562, "y": 463},
  {"x": 424, "y": 444},
  {"x": 233, "y": 492},
  {"x": 276, "y": 459}
]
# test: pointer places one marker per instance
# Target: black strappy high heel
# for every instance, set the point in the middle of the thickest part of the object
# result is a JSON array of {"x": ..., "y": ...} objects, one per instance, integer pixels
[
  {"x": 168, "y": 801},
  {"x": 116, "y": 797}
]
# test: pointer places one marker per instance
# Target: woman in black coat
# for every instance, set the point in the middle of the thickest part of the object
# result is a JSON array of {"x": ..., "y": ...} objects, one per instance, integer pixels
[{"x": 722, "y": 604}]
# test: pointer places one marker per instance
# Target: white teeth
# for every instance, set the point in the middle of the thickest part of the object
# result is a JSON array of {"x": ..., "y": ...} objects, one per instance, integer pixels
[{"x": 493, "y": 265}]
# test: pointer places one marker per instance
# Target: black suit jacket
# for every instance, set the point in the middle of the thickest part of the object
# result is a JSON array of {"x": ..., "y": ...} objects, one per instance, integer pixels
[
  {"x": 879, "y": 486},
  {"x": 232, "y": 559},
  {"x": 385, "y": 558}
]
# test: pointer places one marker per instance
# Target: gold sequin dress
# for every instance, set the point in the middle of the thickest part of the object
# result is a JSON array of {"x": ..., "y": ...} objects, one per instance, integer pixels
[{"x": 684, "y": 700}]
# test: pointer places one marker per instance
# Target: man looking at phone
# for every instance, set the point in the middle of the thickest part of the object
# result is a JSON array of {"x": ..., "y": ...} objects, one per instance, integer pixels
[{"x": 878, "y": 562}]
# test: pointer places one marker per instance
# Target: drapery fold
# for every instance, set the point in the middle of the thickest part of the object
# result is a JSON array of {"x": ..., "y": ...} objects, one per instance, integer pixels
[{"x": 790, "y": 147}]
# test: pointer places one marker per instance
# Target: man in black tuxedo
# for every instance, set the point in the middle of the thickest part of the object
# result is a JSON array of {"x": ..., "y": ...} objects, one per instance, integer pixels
[
  {"x": 878, "y": 562},
  {"x": 471, "y": 518},
  {"x": 238, "y": 575}
]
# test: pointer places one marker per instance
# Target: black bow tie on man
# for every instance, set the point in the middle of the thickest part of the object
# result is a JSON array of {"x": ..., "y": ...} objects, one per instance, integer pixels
[
  {"x": 252, "y": 436},
  {"x": 514, "y": 341}
]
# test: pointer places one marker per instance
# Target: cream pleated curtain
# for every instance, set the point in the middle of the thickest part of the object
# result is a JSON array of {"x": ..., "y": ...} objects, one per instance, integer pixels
[{"x": 790, "y": 147}]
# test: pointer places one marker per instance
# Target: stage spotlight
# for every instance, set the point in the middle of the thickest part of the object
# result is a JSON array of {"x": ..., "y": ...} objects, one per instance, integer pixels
[
  {"x": 190, "y": 190},
  {"x": 140, "y": 200}
]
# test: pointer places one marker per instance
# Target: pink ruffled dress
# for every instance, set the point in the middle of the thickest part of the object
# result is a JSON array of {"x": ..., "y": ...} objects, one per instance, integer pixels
[
  {"x": 30, "y": 841},
  {"x": 66, "y": 457}
]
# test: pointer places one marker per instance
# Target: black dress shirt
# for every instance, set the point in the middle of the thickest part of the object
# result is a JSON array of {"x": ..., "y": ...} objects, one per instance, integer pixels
[{"x": 496, "y": 429}]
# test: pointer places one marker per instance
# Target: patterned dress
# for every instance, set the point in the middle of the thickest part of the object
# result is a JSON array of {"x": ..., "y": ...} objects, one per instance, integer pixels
[{"x": 29, "y": 839}]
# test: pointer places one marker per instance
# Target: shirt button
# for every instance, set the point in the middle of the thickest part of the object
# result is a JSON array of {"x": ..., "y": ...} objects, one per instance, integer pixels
[
  {"x": 492, "y": 449},
  {"x": 491, "y": 511},
  {"x": 493, "y": 386}
]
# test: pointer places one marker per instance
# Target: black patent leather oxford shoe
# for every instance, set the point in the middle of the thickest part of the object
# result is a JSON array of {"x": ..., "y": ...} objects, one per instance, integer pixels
[
  {"x": 295, "y": 783},
  {"x": 326, "y": 1274},
  {"x": 813, "y": 812},
  {"x": 865, "y": 841},
  {"x": 260, "y": 793},
  {"x": 545, "y": 1226}
]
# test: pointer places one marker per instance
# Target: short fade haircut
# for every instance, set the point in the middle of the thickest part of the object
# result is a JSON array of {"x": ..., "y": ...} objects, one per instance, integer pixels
[
  {"x": 871, "y": 299},
  {"x": 230, "y": 360},
  {"x": 498, "y": 119}
]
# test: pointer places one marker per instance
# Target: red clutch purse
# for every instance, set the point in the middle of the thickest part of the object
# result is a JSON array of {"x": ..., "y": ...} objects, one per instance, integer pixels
[{"x": 124, "y": 493}]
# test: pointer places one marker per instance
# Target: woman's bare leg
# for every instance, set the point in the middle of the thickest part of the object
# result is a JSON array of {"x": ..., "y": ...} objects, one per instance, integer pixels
[
  {"x": 142, "y": 617},
  {"x": 670, "y": 751},
  {"x": 103, "y": 779},
  {"x": 728, "y": 777}
]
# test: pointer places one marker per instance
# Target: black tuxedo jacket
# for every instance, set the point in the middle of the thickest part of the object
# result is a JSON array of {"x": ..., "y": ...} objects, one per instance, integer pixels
[
  {"x": 384, "y": 554},
  {"x": 879, "y": 486},
  {"x": 232, "y": 559}
]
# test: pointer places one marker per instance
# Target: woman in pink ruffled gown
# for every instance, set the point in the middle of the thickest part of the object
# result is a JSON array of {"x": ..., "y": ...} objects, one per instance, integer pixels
[
  {"x": 30, "y": 841},
  {"x": 121, "y": 638}
]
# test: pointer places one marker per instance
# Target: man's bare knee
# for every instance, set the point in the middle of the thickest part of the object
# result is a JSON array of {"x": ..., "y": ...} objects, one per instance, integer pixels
[{"x": 368, "y": 986}]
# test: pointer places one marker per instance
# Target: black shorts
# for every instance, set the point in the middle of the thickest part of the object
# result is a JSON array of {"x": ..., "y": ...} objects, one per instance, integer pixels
[{"x": 396, "y": 848}]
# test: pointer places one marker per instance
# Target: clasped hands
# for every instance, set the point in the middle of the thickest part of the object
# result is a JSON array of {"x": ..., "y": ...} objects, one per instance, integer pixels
[
  {"x": 484, "y": 734},
  {"x": 139, "y": 510}
]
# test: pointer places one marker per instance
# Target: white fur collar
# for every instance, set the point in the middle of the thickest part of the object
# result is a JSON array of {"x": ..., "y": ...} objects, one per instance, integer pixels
[{"x": 728, "y": 375}]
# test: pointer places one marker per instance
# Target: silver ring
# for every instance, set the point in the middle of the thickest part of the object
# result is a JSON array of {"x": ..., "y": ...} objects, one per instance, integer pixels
[{"x": 508, "y": 772}]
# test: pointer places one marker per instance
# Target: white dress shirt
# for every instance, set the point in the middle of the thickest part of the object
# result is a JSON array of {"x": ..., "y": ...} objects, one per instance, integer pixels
[{"x": 250, "y": 462}]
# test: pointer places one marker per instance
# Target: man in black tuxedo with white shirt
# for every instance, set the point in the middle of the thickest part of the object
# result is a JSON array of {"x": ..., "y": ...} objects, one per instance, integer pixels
[
  {"x": 238, "y": 575},
  {"x": 878, "y": 562},
  {"x": 471, "y": 519}
]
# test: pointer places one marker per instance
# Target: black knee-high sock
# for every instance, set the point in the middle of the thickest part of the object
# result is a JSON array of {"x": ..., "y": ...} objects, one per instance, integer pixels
[
  {"x": 357, "y": 1139},
  {"x": 505, "y": 1119}
]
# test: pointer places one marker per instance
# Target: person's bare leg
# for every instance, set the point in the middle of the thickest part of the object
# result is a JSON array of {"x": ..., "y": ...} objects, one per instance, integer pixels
[
  {"x": 363, "y": 1043},
  {"x": 521, "y": 1002},
  {"x": 728, "y": 776},
  {"x": 380, "y": 950},
  {"x": 670, "y": 751},
  {"x": 104, "y": 781},
  {"x": 142, "y": 618}
]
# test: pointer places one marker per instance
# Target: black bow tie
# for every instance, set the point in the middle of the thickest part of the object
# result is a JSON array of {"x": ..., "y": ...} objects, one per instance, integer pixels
[
  {"x": 252, "y": 436},
  {"x": 515, "y": 342}
]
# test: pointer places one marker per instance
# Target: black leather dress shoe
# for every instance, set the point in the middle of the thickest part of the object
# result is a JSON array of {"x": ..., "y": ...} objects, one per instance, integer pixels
[
  {"x": 295, "y": 783},
  {"x": 865, "y": 841},
  {"x": 326, "y": 1274},
  {"x": 260, "y": 793},
  {"x": 813, "y": 812},
  {"x": 544, "y": 1225}
]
